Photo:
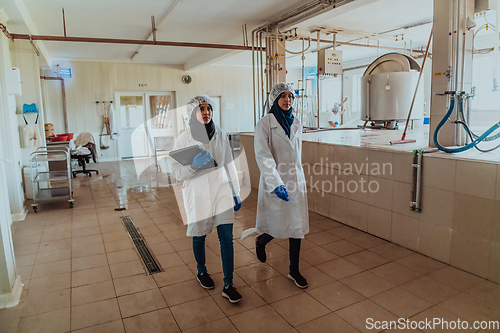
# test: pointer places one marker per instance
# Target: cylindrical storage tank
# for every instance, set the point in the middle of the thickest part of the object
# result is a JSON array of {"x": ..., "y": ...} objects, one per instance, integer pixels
[{"x": 387, "y": 89}]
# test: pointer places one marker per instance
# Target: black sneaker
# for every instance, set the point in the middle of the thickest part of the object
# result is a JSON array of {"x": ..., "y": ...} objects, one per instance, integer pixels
[
  {"x": 205, "y": 281},
  {"x": 260, "y": 250},
  {"x": 299, "y": 280},
  {"x": 231, "y": 294}
]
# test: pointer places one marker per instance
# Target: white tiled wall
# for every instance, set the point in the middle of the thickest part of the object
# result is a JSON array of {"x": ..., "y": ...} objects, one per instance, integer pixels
[{"x": 460, "y": 219}]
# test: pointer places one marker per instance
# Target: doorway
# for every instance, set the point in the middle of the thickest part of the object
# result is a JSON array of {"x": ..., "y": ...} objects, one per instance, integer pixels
[{"x": 142, "y": 117}]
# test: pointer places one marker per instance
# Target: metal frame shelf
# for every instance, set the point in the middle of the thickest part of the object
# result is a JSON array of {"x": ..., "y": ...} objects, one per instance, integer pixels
[{"x": 45, "y": 193}]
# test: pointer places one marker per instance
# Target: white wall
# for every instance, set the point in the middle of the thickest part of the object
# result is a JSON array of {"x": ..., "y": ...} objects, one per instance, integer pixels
[{"x": 91, "y": 80}]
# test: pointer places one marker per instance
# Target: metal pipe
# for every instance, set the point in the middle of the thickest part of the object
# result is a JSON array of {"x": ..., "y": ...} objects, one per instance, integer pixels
[
  {"x": 317, "y": 73},
  {"x": 419, "y": 178},
  {"x": 153, "y": 28},
  {"x": 253, "y": 81},
  {"x": 129, "y": 41},
  {"x": 261, "y": 72},
  {"x": 64, "y": 22},
  {"x": 364, "y": 45}
]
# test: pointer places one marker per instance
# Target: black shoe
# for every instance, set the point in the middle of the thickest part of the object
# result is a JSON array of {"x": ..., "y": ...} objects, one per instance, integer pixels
[
  {"x": 231, "y": 294},
  {"x": 299, "y": 280},
  {"x": 205, "y": 280},
  {"x": 260, "y": 250}
]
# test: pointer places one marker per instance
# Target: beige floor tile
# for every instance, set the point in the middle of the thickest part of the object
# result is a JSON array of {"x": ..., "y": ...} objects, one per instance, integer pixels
[
  {"x": 107, "y": 228},
  {"x": 470, "y": 308},
  {"x": 98, "y": 260},
  {"x": 317, "y": 255},
  {"x": 401, "y": 302},
  {"x": 275, "y": 289},
  {"x": 119, "y": 245},
  {"x": 343, "y": 248},
  {"x": 443, "y": 316},
  {"x": 345, "y": 232},
  {"x": 420, "y": 263},
  {"x": 329, "y": 323},
  {"x": 456, "y": 278},
  {"x": 54, "y": 322},
  {"x": 217, "y": 326},
  {"x": 142, "y": 302},
  {"x": 315, "y": 277},
  {"x": 128, "y": 268},
  {"x": 358, "y": 314},
  {"x": 308, "y": 310},
  {"x": 183, "y": 292},
  {"x": 92, "y": 293},
  {"x": 86, "y": 250},
  {"x": 339, "y": 268},
  {"x": 25, "y": 272},
  {"x": 262, "y": 320},
  {"x": 115, "y": 236},
  {"x": 26, "y": 249},
  {"x": 89, "y": 276},
  {"x": 122, "y": 256},
  {"x": 487, "y": 291},
  {"x": 173, "y": 275},
  {"x": 367, "y": 284},
  {"x": 41, "y": 302},
  {"x": 54, "y": 245},
  {"x": 366, "y": 259},
  {"x": 256, "y": 272},
  {"x": 169, "y": 260},
  {"x": 251, "y": 300},
  {"x": 50, "y": 283},
  {"x": 84, "y": 224},
  {"x": 10, "y": 318},
  {"x": 86, "y": 231},
  {"x": 395, "y": 273},
  {"x": 92, "y": 314},
  {"x": 51, "y": 268},
  {"x": 155, "y": 321},
  {"x": 50, "y": 256},
  {"x": 245, "y": 258},
  {"x": 196, "y": 313},
  {"x": 133, "y": 284},
  {"x": 155, "y": 239},
  {"x": 366, "y": 240},
  {"x": 335, "y": 295},
  {"x": 429, "y": 289},
  {"x": 161, "y": 248},
  {"x": 112, "y": 327},
  {"x": 391, "y": 251},
  {"x": 26, "y": 260},
  {"x": 323, "y": 238},
  {"x": 273, "y": 250}
]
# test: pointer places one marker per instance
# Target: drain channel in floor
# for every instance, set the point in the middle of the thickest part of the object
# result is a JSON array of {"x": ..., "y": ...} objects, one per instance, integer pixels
[{"x": 150, "y": 263}]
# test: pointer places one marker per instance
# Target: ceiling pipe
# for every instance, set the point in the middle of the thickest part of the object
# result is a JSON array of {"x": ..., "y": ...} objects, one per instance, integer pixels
[
  {"x": 125, "y": 41},
  {"x": 162, "y": 18}
]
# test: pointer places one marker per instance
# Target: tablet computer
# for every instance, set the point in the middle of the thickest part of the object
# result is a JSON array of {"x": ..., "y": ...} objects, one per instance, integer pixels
[{"x": 186, "y": 155}]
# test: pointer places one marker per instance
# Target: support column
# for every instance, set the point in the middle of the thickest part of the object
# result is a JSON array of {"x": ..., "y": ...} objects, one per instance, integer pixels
[
  {"x": 446, "y": 76},
  {"x": 10, "y": 283},
  {"x": 9, "y": 134}
]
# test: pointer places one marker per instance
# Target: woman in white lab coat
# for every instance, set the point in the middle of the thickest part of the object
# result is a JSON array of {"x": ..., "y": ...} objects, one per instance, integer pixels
[
  {"x": 210, "y": 195},
  {"x": 282, "y": 203}
]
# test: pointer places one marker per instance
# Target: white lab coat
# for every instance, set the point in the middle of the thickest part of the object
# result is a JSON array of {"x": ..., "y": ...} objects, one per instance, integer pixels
[
  {"x": 207, "y": 194},
  {"x": 113, "y": 124},
  {"x": 279, "y": 161}
]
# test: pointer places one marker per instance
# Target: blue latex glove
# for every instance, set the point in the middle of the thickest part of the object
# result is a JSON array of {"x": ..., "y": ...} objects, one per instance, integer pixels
[
  {"x": 201, "y": 159},
  {"x": 281, "y": 192},
  {"x": 237, "y": 203}
]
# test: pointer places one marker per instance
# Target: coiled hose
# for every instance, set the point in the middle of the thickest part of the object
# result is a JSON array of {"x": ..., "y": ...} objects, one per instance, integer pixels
[{"x": 474, "y": 142}]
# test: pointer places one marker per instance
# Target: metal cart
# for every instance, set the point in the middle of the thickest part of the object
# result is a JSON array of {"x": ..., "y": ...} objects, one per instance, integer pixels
[{"x": 58, "y": 182}]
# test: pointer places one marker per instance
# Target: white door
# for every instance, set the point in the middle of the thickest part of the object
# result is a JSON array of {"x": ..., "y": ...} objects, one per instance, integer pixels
[
  {"x": 133, "y": 140},
  {"x": 161, "y": 116}
]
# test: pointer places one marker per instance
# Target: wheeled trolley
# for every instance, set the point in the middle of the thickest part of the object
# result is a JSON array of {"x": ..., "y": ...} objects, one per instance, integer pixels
[{"x": 52, "y": 184}]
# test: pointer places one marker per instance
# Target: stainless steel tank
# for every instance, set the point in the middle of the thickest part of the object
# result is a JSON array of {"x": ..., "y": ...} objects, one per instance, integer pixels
[{"x": 387, "y": 89}]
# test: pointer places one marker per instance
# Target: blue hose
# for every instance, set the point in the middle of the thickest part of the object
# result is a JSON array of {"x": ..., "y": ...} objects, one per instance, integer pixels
[{"x": 464, "y": 148}]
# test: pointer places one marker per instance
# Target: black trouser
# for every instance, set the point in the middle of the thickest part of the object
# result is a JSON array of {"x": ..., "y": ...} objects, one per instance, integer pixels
[{"x": 294, "y": 249}]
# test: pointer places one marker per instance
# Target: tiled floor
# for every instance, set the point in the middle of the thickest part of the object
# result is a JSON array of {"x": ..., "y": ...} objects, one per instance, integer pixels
[{"x": 81, "y": 273}]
